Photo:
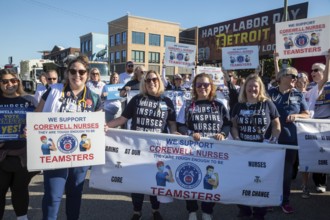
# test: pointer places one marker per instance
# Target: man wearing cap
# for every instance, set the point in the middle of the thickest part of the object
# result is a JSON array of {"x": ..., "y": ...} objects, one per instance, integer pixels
[{"x": 126, "y": 76}]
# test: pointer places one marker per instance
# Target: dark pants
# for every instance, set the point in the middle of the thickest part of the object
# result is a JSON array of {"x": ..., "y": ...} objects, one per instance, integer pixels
[
  {"x": 290, "y": 157},
  {"x": 257, "y": 212},
  {"x": 192, "y": 206},
  {"x": 17, "y": 178},
  {"x": 70, "y": 180},
  {"x": 320, "y": 179},
  {"x": 137, "y": 200}
]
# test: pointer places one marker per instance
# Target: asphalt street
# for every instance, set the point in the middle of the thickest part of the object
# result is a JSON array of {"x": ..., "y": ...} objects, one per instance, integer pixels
[{"x": 98, "y": 204}]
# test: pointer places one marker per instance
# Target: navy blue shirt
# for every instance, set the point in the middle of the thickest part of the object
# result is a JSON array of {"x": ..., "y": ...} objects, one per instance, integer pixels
[{"x": 292, "y": 102}]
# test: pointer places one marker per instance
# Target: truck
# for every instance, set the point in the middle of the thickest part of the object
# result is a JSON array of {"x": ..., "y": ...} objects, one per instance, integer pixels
[{"x": 30, "y": 71}]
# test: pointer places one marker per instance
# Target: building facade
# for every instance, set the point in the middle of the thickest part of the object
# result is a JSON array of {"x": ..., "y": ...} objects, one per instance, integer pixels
[
  {"x": 141, "y": 40},
  {"x": 95, "y": 46},
  {"x": 59, "y": 54}
]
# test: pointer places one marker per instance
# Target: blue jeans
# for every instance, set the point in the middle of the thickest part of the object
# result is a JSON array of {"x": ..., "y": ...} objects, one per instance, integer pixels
[{"x": 55, "y": 182}]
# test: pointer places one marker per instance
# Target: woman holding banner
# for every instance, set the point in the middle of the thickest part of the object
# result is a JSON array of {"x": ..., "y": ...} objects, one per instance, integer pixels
[
  {"x": 160, "y": 110},
  {"x": 112, "y": 108},
  {"x": 291, "y": 105},
  {"x": 73, "y": 96},
  {"x": 216, "y": 120},
  {"x": 319, "y": 107},
  {"x": 13, "y": 171},
  {"x": 251, "y": 117}
]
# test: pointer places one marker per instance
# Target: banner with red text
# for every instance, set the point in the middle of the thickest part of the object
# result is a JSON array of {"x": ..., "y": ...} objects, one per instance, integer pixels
[
  {"x": 63, "y": 140},
  {"x": 314, "y": 145},
  {"x": 231, "y": 172},
  {"x": 303, "y": 38},
  {"x": 245, "y": 57},
  {"x": 181, "y": 55}
]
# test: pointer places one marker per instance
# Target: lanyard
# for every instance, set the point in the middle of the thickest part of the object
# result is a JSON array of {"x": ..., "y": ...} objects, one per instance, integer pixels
[{"x": 82, "y": 100}]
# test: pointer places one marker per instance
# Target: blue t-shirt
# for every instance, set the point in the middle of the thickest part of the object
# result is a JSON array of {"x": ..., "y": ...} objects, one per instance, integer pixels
[
  {"x": 292, "y": 102},
  {"x": 161, "y": 178},
  {"x": 207, "y": 185},
  {"x": 45, "y": 149}
]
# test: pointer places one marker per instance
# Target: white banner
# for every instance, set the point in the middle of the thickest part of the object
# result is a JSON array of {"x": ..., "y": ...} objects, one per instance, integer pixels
[
  {"x": 215, "y": 72},
  {"x": 303, "y": 38},
  {"x": 246, "y": 57},
  {"x": 181, "y": 55},
  {"x": 231, "y": 172},
  {"x": 314, "y": 145},
  {"x": 63, "y": 140}
]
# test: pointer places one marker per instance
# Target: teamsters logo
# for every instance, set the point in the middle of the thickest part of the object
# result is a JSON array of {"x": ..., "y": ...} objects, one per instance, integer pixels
[
  {"x": 301, "y": 40},
  {"x": 67, "y": 143},
  {"x": 188, "y": 175}
]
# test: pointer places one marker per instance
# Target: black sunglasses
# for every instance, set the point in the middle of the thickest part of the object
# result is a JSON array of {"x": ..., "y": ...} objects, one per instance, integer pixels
[
  {"x": 291, "y": 75},
  {"x": 130, "y": 66},
  {"x": 74, "y": 72},
  {"x": 205, "y": 85},
  {"x": 154, "y": 80},
  {"x": 315, "y": 70},
  {"x": 95, "y": 74},
  {"x": 12, "y": 80},
  {"x": 52, "y": 79}
]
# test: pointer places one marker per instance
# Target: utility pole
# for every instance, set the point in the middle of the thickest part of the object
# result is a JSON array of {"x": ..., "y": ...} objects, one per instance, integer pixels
[{"x": 285, "y": 18}]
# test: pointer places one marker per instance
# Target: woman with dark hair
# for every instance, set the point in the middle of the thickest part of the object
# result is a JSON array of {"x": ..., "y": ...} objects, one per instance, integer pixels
[
  {"x": 70, "y": 97},
  {"x": 160, "y": 109},
  {"x": 13, "y": 172},
  {"x": 216, "y": 125},
  {"x": 251, "y": 117}
]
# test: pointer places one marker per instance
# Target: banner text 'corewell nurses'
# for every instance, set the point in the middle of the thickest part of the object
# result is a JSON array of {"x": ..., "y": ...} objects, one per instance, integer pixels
[
  {"x": 63, "y": 140},
  {"x": 232, "y": 172}
]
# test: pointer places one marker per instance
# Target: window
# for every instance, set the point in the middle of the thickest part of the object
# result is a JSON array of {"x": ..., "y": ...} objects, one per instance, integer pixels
[
  {"x": 154, "y": 39},
  {"x": 112, "y": 41},
  {"x": 138, "y": 37},
  {"x": 86, "y": 45},
  {"x": 123, "y": 56},
  {"x": 112, "y": 57},
  {"x": 154, "y": 57},
  {"x": 82, "y": 47},
  {"x": 117, "y": 57},
  {"x": 138, "y": 56},
  {"x": 117, "y": 39},
  {"x": 124, "y": 37},
  {"x": 168, "y": 39},
  {"x": 89, "y": 45}
]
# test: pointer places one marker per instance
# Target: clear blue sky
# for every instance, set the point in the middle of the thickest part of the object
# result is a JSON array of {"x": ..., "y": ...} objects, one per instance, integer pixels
[{"x": 28, "y": 26}]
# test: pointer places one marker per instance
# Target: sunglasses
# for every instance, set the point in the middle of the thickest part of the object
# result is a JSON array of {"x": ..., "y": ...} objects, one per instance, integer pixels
[
  {"x": 200, "y": 85},
  {"x": 315, "y": 70},
  {"x": 52, "y": 79},
  {"x": 94, "y": 74},
  {"x": 74, "y": 72},
  {"x": 12, "y": 80},
  {"x": 291, "y": 75},
  {"x": 154, "y": 80},
  {"x": 130, "y": 66}
]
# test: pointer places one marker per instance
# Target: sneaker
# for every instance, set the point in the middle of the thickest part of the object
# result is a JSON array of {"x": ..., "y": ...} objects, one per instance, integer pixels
[
  {"x": 157, "y": 216},
  {"x": 287, "y": 209},
  {"x": 305, "y": 193},
  {"x": 136, "y": 216},
  {"x": 320, "y": 189},
  {"x": 192, "y": 216},
  {"x": 206, "y": 216}
]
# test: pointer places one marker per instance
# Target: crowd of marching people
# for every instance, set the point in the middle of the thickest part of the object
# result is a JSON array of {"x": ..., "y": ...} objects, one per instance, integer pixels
[{"x": 270, "y": 113}]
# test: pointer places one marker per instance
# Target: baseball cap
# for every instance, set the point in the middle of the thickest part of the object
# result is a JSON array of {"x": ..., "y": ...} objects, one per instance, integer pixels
[{"x": 129, "y": 63}]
